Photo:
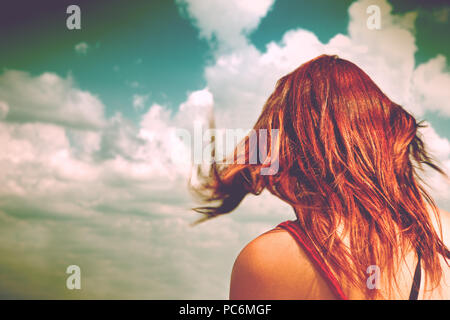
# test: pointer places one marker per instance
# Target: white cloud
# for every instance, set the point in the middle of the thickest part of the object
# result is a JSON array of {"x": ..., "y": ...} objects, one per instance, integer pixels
[
  {"x": 82, "y": 48},
  {"x": 431, "y": 83},
  {"x": 197, "y": 108},
  {"x": 48, "y": 98},
  {"x": 227, "y": 21}
]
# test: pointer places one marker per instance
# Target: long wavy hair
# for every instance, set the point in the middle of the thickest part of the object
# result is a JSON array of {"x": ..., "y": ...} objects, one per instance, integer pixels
[{"x": 348, "y": 160}]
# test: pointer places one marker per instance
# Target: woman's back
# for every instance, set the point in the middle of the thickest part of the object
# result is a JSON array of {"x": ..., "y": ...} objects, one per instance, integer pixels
[{"x": 274, "y": 266}]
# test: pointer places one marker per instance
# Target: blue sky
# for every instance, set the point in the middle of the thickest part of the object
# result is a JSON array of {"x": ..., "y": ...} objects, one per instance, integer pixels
[{"x": 92, "y": 171}]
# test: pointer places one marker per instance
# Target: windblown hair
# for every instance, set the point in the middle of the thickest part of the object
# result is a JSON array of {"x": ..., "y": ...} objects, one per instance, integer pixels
[{"x": 348, "y": 161}]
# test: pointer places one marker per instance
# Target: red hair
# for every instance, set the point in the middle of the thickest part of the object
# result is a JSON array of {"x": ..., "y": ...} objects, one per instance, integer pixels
[{"x": 346, "y": 155}]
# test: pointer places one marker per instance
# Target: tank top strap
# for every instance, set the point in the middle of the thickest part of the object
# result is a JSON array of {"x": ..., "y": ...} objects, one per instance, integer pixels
[{"x": 297, "y": 233}]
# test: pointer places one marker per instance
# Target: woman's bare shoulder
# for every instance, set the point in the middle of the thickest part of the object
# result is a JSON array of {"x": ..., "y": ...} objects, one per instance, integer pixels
[{"x": 273, "y": 266}]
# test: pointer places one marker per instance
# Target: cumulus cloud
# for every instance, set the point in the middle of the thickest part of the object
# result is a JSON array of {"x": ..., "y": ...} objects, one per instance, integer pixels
[
  {"x": 48, "y": 98},
  {"x": 110, "y": 195},
  {"x": 430, "y": 83},
  {"x": 197, "y": 108},
  {"x": 228, "y": 22}
]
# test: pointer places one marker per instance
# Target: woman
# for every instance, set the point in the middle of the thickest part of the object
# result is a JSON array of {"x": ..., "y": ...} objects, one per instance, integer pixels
[{"x": 347, "y": 159}]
